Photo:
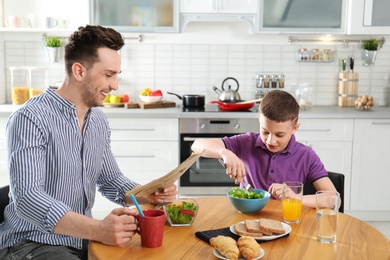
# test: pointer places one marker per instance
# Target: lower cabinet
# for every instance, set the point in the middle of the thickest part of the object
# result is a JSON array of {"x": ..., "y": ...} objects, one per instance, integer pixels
[
  {"x": 3, "y": 154},
  {"x": 332, "y": 141},
  {"x": 145, "y": 149},
  {"x": 370, "y": 199}
]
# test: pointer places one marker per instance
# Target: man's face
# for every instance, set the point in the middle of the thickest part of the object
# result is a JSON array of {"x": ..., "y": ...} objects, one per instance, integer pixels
[
  {"x": 101, "y": 78},
  {"x": 274, "y": 135}
]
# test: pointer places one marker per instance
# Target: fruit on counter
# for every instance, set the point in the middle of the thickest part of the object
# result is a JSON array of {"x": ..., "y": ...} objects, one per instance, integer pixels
[
  {"x": 146, "y": 92},
  {"x": 114, "y": 99},
  {"x": 156, "y": 92},
  {"x": 107, "y": 98},
  {"x": 365, "y": 102},
  {"x": 124, "y": 98}
]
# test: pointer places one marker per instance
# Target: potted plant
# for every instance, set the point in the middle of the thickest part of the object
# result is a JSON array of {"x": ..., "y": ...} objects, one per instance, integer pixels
[
  {"x": 370, "y": 48},
  {"x": 53, "y": 44}
]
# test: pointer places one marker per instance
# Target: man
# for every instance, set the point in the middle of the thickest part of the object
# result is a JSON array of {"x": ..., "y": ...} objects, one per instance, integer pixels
[
  {"x": 272, "y": 156},
  {"x": 59, "y": 152}
]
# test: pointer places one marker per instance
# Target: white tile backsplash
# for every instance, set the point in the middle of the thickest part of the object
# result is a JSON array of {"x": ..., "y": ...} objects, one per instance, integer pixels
[{"x": 196, "y": 68}]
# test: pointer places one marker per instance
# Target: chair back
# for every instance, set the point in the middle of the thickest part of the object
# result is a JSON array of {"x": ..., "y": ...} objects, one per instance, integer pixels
[
  {"x": 4, "y": 200},
  {"x": 337, "y": 180}
]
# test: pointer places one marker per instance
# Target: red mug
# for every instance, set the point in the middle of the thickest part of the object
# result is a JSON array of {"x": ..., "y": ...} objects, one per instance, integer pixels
[{"x": 151, "y": 227}]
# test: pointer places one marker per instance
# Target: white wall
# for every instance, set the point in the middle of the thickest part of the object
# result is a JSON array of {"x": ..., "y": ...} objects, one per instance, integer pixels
[{"x": 203, "y": 55}]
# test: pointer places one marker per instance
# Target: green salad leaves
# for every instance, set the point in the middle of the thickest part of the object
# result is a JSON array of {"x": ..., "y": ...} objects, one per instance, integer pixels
[
  {"x": 182, "y": 214},
  {"x": 244, "y": 194}
]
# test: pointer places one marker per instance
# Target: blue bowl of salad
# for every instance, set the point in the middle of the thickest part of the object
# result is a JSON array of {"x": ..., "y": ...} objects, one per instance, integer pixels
[
  {"x": 181, "y": 212},
  {"x": 248, "y": 202}
]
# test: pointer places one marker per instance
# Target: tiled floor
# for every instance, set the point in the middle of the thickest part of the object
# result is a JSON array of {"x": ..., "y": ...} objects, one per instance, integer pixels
[{"x": 383, "y": 227}]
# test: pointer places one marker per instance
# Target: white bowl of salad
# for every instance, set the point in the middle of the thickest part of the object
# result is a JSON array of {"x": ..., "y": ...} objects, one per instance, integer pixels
[{"x": 181, "y": 212}]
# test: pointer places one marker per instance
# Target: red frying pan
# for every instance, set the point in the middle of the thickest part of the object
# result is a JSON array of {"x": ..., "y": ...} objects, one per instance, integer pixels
[{"x": 235, "y": 106}]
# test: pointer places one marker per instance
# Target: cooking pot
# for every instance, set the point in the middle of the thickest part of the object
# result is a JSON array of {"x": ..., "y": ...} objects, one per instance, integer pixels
[
  {"x": 236, "y": 106},
  {"x": 190, "y": 100},
  {"x": 228, "y": 94}
]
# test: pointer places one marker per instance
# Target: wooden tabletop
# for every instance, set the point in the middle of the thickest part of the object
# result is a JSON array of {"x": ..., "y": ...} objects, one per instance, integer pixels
[{"x": 355, "y": 238}]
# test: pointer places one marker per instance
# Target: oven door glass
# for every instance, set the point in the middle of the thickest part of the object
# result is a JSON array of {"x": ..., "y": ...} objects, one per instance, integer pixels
[{"x": 205, "y": 172}]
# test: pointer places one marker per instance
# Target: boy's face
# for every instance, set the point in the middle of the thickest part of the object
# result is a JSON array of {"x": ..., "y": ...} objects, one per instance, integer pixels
[{"x": 274, "y": 135}]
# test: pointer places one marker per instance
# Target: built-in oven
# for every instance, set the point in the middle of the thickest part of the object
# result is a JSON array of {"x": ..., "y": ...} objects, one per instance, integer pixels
[{"x": 207, "y": 177}]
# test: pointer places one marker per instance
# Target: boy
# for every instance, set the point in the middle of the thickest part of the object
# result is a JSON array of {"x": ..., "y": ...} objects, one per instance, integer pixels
[{"x": 268, "y": 158}]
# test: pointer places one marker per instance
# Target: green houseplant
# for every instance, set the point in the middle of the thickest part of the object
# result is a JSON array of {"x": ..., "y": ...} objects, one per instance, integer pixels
[
  {"x": 53, "y": 44},
  {"x": 370, "y": 44},
  {"x": 370, "y": 48},
  {"x": 53, "y": 41}
]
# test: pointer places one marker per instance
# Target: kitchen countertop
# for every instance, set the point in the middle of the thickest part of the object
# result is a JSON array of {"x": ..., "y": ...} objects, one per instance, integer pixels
[{"x": 319, "y": 112}]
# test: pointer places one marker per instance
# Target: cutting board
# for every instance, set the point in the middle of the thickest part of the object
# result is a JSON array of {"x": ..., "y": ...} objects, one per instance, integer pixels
[{"x": 143, "y": 105}]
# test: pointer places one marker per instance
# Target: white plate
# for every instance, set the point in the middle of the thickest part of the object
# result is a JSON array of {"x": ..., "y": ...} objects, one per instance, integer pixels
[
  {"x": 240, "y": 257},
  {"x": 286, "y": 227}
]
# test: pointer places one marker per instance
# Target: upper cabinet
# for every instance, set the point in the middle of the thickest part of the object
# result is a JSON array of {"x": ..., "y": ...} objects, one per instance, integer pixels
[
  {"x": 219, "y": 6},
  {"x": 218, "y": 10},
  {"x": 136, "y": 15},
  {"x": 369, "y": 17},
  {"x": 303, "y": 16}
]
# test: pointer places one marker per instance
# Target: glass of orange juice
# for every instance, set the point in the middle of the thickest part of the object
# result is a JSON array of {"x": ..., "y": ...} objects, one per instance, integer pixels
[{"x": 292, "y": 192}]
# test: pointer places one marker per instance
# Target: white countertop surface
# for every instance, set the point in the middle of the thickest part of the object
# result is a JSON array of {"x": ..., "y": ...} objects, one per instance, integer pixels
[{"x": 325, "y": 112}]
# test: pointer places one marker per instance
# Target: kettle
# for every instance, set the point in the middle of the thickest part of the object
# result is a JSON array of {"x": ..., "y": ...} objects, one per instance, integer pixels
[{"x": 229, "y": 94}]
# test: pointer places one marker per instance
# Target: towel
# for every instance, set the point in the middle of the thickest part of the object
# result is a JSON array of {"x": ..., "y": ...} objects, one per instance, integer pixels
[{"x": 208, "y": 234}]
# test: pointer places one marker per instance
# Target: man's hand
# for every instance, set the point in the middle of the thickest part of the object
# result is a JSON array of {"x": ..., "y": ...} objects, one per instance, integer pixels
[
  {"x": 167, "y": 195},
  {"x": 119, "y": 227}
]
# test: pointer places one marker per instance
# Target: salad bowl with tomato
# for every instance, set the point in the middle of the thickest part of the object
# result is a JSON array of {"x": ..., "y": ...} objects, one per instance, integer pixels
[{"x": 181, "y": 212}]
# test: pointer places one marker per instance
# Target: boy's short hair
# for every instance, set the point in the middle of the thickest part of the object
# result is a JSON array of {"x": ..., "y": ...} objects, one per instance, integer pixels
[{"x": 279, "y": 106}]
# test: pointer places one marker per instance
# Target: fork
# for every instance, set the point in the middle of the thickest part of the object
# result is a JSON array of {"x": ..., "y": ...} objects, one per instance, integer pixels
[{"x": 246, "y": 186}]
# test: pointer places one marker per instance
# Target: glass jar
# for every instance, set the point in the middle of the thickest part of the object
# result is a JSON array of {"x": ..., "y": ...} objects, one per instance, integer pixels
[
  {"x": 274, "y": 81},
  {"x": 303, "y": 54},
  {"x": 266, "y": 81},
  {"x": 315, "y": 55},
  {"x": 327, "y": 55},
  {"x": 281, "y": 80}
]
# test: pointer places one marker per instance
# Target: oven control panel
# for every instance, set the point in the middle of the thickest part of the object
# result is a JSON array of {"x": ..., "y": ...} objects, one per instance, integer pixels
[{"x": 207, "y": 125}]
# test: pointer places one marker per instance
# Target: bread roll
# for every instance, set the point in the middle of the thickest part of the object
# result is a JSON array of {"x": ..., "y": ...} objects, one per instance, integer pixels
[
  {"x": 248, "y": 247},
  {"x": 226, "y": 246}
]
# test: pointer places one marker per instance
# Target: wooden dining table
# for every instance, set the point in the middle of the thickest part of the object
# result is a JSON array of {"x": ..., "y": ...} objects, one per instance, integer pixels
[{"x": 355, "y": 238}]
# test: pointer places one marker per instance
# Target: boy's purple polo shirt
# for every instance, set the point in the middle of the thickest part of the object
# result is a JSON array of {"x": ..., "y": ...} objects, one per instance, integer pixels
[{"x": 295, "y": 163}]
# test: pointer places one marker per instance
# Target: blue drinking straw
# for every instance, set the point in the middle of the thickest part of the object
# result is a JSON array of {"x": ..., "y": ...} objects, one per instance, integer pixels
[{"x": 137, "y": 205}]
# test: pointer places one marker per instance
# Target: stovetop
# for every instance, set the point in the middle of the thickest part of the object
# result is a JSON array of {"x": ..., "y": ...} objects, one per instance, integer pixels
[{"x": 215, "y": 108}]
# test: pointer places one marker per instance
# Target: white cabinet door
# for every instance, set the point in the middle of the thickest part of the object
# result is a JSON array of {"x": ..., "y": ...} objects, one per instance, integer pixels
[
  {"x": 218, "y": 6},
  {"x": 368, "y": 17},
  {"x": 371, "y": 166},
  {"x": 303, "y": 16},
  {"x": 331, "y": 139},
  {"x": 4, "y": 180},
  {"x": 336, "y": 157}
]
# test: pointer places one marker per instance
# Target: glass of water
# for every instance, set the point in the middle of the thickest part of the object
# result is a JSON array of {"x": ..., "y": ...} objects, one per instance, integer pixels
[{"x": 327, "y": 206}]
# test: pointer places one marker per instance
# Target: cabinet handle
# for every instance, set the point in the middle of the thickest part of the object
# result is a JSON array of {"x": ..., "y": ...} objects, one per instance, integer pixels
[
  {"x": 314, "y": 130},
  {"x": 191, "y": 139},
  {"x": 134, "y": 129},
  {"x": 380, "y": 123},
  {"x": 135, "y": 156}
]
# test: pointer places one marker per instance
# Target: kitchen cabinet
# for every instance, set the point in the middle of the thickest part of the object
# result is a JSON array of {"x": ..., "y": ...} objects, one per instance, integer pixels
[
  {"x": 3, "y": 154},
  {"x": 218, "y": 11},
  {"x": 136, "y": 15},
  {"x": 303, "y": 16},
  {"x": 369, "y": 17},
  {"x": 218, "y": 6},
  {"x": 145, "y": 149},
  {"x": 332, "y": 140},
  {"x": 371, "y": 168}
]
